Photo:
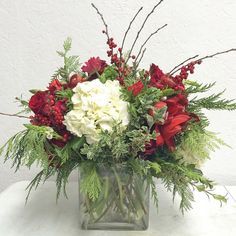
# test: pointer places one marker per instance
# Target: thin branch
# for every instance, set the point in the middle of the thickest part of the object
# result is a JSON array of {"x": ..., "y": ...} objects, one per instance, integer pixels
[
  {"x": 137, "y": 36},
  {"x": 218, "y": 53},
  {"x": 143, "y": 52},
  {"x": 207, "y": 57},
  {"x": 182, "y": 63},
  {"x": 19, "y": 116},
  {"x": 129, "y": 27},
  {"x": 103, "y": 20},
  {"x": 155, "y": 32}
]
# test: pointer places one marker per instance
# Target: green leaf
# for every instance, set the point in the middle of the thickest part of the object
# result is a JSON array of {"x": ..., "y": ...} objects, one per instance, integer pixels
[{"x": 67, "y": 44}]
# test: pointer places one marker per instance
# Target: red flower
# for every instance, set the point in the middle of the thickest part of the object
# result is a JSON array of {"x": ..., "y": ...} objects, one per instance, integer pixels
[
  {"x": 55, "y": 85},
  {"x": 38, "y": 101},
  {"x": 175, "y": 122},
  {"x": 136, "y": 88},
  {"x": 162, "y": 81},
  {"x": 94, "y": 66},
  {"x": 177, "y": 104},
  {"x": 74, "y": 80},
  {"x": 167, "y": 132}
]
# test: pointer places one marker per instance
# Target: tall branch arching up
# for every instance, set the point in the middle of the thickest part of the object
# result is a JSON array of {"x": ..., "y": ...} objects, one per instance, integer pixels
[
  {"x": 141, "y": 28},
  {"x": 129, "y": 27},
  {"x": 103, "y": 20},
  {"x": 146, "y": 41}
]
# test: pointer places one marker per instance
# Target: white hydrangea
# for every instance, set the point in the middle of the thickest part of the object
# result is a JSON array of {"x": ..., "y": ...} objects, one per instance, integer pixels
[{"x": 96, "y": 106}]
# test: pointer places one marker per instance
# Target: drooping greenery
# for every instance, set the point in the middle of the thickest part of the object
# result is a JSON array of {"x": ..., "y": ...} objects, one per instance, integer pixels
[{"x": 196, "y": 145}]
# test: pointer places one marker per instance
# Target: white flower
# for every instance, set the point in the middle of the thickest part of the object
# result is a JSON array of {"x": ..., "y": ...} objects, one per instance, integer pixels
[{"x": 96, "y": 106}]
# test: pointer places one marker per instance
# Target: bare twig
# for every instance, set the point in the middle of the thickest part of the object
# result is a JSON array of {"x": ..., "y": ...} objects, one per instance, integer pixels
[
  {"x": 182, "y": 63},
  {"x": 149, "y": 37},
  {"x": 216, "y": 54},
  {"x": 206, "y": 57},
  {"x": 19, "y": 116},
  {"x": 103, "y": 20},
  {"x": 137, "y": 36},
  {"x": 131, "y": 22},
  {"x": 142, "y": 54}
]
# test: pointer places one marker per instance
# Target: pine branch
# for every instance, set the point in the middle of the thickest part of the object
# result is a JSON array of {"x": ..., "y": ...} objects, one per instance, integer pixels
[
  {"x": 140, "y": 30},
  {"x": 195, "y": 87},
  {"x": 213, "y": 102}
]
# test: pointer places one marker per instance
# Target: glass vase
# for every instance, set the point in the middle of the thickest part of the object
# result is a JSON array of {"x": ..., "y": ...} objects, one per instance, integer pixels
[{"x": 122, "y": 203}]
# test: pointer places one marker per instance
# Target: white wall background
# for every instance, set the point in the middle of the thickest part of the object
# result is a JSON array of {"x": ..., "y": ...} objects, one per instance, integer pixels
[{"x": 31, "y": 32}]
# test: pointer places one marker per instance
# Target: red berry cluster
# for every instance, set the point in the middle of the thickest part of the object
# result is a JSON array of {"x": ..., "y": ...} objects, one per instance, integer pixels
[
  {"x": 117, "y": 59},
  {"x": 186, "y": 69},
  {"x": 49, "y": 110}
]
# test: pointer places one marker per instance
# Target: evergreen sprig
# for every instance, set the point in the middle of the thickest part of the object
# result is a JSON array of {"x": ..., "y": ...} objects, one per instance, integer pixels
[
  {"x": 212, "y": 102},
  {"x": 71, "y": 63}
]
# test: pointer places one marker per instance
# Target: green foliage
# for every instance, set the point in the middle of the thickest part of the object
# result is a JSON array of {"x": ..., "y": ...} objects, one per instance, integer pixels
[
  {"x": 117, "y": 145},
  {"x": 212, "y": 102},
  {"x": 71, "y": 63},
  {"x": 195, "y": 87},
  {"x": 179, "y": 179},
  {"x": 26, "y": 148},
  {"x": 110, "y": 73},
  {"x": 23, "y": 104},
  {"x": 196, "y": 144},
  {"x": 66, "y": 94},
  {"x": 141, "y": 104},
  {"x": 90, "y": 182}
]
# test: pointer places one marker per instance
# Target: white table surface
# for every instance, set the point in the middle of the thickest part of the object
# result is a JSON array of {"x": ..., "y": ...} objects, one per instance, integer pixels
[{"x": 43, "y": 217}]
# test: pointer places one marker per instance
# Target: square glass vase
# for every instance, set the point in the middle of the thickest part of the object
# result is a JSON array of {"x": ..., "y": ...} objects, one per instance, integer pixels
[{"x": 122, "y": 202}]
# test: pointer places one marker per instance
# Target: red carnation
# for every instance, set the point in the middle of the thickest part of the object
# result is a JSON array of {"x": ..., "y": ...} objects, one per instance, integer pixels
[
  {"x": 94, "y": 66},
  {"x": 55, "y": 85},
  {"x": 38, "y": 101},
  {"x": 136, "y": 88}
]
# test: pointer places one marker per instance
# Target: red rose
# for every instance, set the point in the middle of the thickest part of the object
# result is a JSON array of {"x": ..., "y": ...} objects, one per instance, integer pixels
[
  {"x": 55, "y": 85},
  {"x": 94, "y": 66},
  {"x": 38, "y": 101},
  {"x": 136, "y": 88}
]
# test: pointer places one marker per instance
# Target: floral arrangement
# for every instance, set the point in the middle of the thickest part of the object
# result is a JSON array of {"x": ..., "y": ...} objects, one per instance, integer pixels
[{"x": 116, "y": 113}]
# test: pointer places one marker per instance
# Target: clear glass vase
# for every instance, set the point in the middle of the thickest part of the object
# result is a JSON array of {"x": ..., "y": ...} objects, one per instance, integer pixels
[{"x": 122, "y": 204}]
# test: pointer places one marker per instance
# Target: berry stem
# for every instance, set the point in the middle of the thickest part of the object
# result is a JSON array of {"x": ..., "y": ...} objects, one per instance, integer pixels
[
  {"x": 103, "y": 20},
  {"x": 176, "y": 69},
  {"x": 182, "y": 63}
]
